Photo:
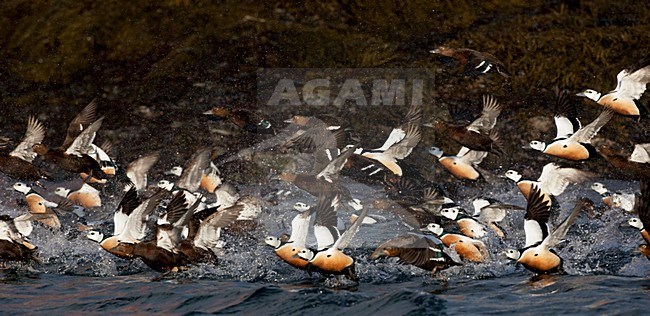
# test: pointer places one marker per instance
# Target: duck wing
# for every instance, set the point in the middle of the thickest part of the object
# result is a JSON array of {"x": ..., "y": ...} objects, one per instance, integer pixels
[{"x": 34, "y": 135}]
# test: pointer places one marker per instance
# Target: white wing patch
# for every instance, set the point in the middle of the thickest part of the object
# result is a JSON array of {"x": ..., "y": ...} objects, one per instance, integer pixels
[
  {"x": 299, "y": 229},
  {"x": 533, "y": 232},
  {"x": 632, "y": 86},
  {"x": 396, "y": 135},
  {"x": 641, "y": 153},
  {"x": 34, "y": 135}
]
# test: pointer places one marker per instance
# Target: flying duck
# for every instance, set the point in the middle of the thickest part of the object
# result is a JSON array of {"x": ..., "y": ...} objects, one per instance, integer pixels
[
  {"x": 209, "y": 181},
  {"x": 400, "y": 142},
  {"x": 86, "y": 196},
  {"x": 537, "y": 254},
  {"x": 614, "y": 199},
  {"x": 18, "y": 164},
  {"x": 13, "y": 243},
  {"x": 247, "y": 120},
  {"x": 422, "y": 251},
  {"x": 75, "y": 158},
  {"x": 489, "y": 212},
  {"x": 204, "y": 233},
  {"x": 643, "y": 221},
  {"x": 308, "y": 134},
  {"x": 42, "y": 209},
  {"x": 130, "y": 220},
  {"x": 162, "y": 253},
  {"x": 576, "y": 146},
  {"x": 466, "y": 247},
  {"x": 322, "y": 177},
  {"x": 190, "y": 179},
  {"x": 137, "y": 170},
  {"x": 630, "y": 86},
  {"x": 80, "y": 122},
  {"x": 474, "y": 62},
  {"x": 468, "y": 225},
  {"x": 624, "y": 164},
  {"x": 287, "y": 247},
  {"x": 552, "y": 182},
  {"x": 477, "y": 135},
  {"x": 329, "y": 258},
  {"x": 463, "y": 165}
]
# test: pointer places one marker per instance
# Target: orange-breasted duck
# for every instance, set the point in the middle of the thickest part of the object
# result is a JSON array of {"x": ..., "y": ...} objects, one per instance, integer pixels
[
  {"x": 18, "y": 164},
  {"x": 467, "y": 248},
  {"x": 130, "y": 220},
  {"x": 643, "y": 221},
  {"x": 42, "y": 209},
  {"x": 552, "y": 182},
  {"x": 329, "y": 258},
  {"x": 190, "y": 179},
  {"x": 162, "y": 253},
  {"x": 463, "y": 165},
  {"x": 630, "y": 86},
  {"x": 576, "y": 146},
  {"x": 473, "y": 62},
  {"x": 209, "y": 181},
  {"x": 287, "y": 247},
  {"x": 477, "y": 135},
  {"x": 623, "y": 201},
  {"x": 86, "y": 196},
  {"x": 537, "y": 254},
  {"x": 423, "y": 251},
  {"x": 469, "y": 226}
]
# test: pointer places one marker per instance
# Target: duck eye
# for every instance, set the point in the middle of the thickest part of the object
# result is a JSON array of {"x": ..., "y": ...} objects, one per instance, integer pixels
[
  {"x": 265, "y": 124},
  {"x": 565, "y": 146},
  {"x": 329, "y": 256},
  {"x": 536, "y": 254}
]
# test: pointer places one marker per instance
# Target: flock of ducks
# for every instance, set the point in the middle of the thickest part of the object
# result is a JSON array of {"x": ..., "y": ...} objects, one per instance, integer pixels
[{"x": 173, "y": 224}]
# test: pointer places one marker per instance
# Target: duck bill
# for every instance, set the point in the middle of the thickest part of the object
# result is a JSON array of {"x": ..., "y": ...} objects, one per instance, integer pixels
[{"x": 581, "y": 94}]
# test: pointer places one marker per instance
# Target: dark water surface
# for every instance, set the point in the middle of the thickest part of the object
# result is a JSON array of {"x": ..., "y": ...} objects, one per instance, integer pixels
[{"x": 513, "y": 294}]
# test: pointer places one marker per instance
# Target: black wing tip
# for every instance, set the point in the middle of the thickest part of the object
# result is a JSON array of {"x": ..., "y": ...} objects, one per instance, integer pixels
[
  {"x": 537, "y": 209},
  {"x": 563, "y": 105}
]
